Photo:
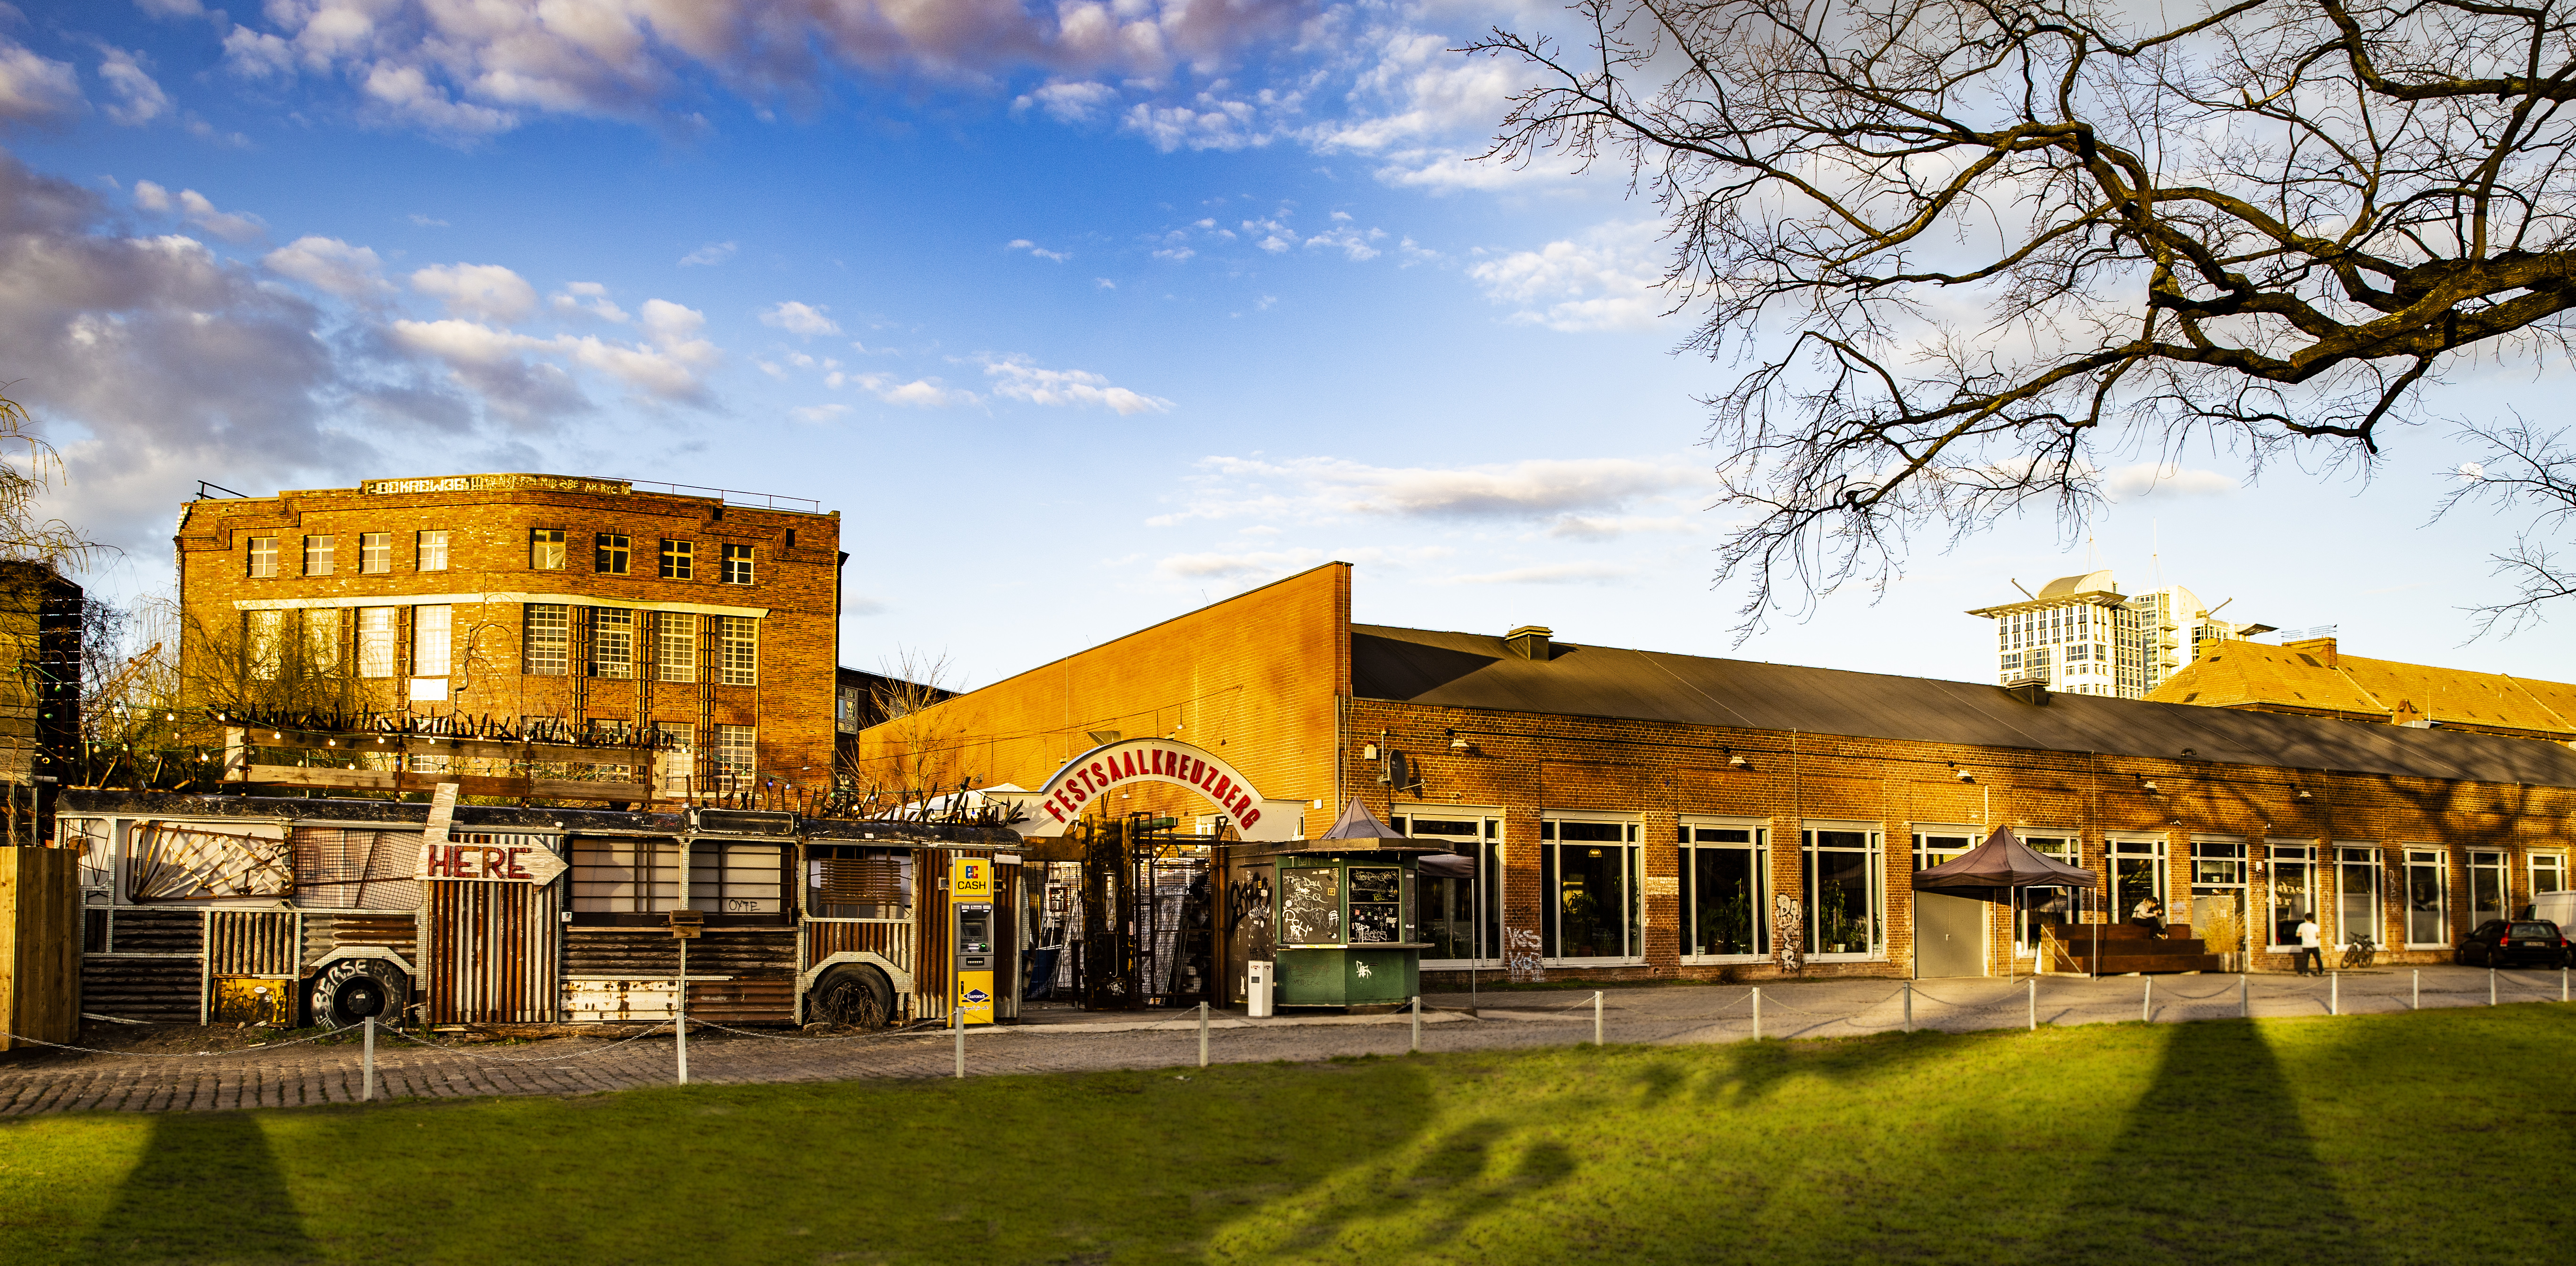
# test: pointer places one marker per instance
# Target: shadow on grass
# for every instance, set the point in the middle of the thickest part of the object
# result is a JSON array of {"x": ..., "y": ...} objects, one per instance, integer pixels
[
  {"x": 206, "y": 1189},
  {"x": 2214, "y": 1163}
]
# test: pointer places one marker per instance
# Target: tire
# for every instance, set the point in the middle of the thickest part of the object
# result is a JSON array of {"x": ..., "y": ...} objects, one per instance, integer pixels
[
  {"x": 852, "y": 995},
  {"x": 349, "y": 991}
]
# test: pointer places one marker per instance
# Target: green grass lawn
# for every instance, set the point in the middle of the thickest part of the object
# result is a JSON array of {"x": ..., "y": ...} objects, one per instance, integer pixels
[{"x": 2436, "y": 1136}]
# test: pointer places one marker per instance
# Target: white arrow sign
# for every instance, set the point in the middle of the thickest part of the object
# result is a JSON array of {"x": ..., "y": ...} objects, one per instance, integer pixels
[{"x": 482, "y": 863}]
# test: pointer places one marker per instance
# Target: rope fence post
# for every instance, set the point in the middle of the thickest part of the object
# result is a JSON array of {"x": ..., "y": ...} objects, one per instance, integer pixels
[
  {"x": 2334, "y": 994},
  {"x": 957, "y": 1024},
  {"x": 2562, "y": 982},
  {"x": 2147, "y": 1001},
  {"x": 1417, "y": 1031},
  {"x": 1757, "y": 1013},
  {"x": 1596, "y": 1017},
  {"x": 2034, "y": 1004},
  {"x": 680, "y": 1029},
  {"x": 1909, "y": 1006},
  {"x": 367, "y": 1078},
  {"x": 2244, "y": 996},
  {"x": 2491, "y": 1001},
  {"x": 2415, "y": 997},
  {"x": 1203, "y": 1026}
]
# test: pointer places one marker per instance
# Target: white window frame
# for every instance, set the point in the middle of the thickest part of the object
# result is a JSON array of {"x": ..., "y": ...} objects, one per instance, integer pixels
[
  {"x": 738, "y": 633},
  {"x": 2410, "y": 856},
  {"x": 1808, "y": 828},
  {"x": 261, "y": 564},
  {"x": 1489, "y": 820},
  {"x": 429, "y": 550},
  {"x": 2275, "y": 852},
  {"x": 2074, "y": 857},
  {"x": 2531, "y": 861},
  {"x": 557, "y": 652},
  {"x": 1552, "y": 905},
  {"x": 1766, "y": 883},
  {"x": 433, "y": 646},
  {"x": 2502, "y": 867},
  {"x": 379, "y": 641},
  {"x": 612, "y": 643},
  {"x": 675, "y": 647},
  {"x": 2112, "y": 852},
  {"x": 2376, "y": 859},
  {"x": 375, "y": 553}
]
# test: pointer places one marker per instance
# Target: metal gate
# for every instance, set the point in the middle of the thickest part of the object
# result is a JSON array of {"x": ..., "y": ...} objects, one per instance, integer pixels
[{"x": 493, "y": 952}]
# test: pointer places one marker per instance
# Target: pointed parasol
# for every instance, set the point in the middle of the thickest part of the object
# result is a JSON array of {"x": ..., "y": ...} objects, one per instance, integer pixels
[{"x": 2003, "y": 861}]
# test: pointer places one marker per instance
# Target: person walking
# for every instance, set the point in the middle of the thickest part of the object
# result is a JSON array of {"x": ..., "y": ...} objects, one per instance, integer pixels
[{"x": 2311, "y": 945}]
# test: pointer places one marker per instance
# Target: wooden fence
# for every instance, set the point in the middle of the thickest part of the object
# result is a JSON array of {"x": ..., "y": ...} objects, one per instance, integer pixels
[{"x": 40, "y": 944}]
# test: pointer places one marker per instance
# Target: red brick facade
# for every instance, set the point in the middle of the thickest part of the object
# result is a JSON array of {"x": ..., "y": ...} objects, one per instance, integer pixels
[
  {"x": 636, "y": 648},
  {"x": 1266, "y": 677}
]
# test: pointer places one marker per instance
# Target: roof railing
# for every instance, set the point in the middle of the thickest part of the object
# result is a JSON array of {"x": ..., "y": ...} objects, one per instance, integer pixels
[{"x": 733, "y": 496}]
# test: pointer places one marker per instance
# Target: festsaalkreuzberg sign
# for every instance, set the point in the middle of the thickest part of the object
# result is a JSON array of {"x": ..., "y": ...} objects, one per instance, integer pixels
[
  {"x": 1049, "y": 809},
  {"x": 496, "y": 483}
]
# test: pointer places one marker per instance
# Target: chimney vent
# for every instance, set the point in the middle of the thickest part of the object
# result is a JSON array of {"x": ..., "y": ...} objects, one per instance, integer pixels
[
  {"x": 1529, "y": 641},
  {"x": 2321, "y": 648}
]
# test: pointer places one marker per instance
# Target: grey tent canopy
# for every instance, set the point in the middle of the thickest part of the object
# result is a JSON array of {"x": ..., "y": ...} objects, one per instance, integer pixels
[
  {"x": 1357, "y": 823},
  {"x": 1446, "y": 866},
  {"x": 2003, "y": 861}
]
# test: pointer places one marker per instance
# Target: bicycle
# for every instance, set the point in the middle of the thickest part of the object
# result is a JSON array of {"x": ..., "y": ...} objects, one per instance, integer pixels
[{"x": 2360, "y": 952}]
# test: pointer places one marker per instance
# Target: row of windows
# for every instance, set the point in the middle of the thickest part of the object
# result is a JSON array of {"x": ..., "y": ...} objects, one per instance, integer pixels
[
  {"x": 612, "y": 554},
  {"x": 609, "y": 651}
]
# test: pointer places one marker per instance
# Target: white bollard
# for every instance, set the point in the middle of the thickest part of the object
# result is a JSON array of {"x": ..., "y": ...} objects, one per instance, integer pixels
[
  {"x": 1757, "y": 1013},
  {"x": 2034, "y": 1004},
  {"x": 2415, "y": 998},
  {"x": 957, "y": 1022},
  {"x": 680, "y": 1028},
  {"x": 2562, "y": 984},
  {"x": 1596, "y": 1017},
  {"x": 2244, "y": 997},
  {"x": 2490, "y": 984},
  {"x": 367, "y": 1079},
  {"x": 1417, "y": 1026},
  {"x": 1909, "y": 1006},
  {"x": 1203, "y": 1026},
  {"x": 2147, "y": 1002},
  {"x": 2334, "y": 994}
]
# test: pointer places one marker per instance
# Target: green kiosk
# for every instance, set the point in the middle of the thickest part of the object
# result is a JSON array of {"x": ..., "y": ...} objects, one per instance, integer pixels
[{"x": 1328, "y": 921}]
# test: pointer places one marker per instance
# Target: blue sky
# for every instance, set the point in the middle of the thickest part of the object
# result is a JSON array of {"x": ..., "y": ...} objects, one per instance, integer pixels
[{"x": 1082, "y": 315}]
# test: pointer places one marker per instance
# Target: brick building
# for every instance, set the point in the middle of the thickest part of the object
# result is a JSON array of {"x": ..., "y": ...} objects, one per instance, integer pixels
[
  {"x": 529, "y": 597},
  {"x": 1634, "y": 814}
]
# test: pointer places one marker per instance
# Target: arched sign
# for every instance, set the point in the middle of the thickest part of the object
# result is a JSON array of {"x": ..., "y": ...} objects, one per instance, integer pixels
[{"x": 1049, "y": 809}]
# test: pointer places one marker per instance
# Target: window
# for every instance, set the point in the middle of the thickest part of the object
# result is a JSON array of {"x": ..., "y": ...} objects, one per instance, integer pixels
[
  {"x": 1845, "y": 903},
  {"x": 2428, "y": 892},
  {"x": 431, "y": 550},
  {"x": 174, "y": 861},
  {"x": 2548, "y": 873},
  {"x": 679, "y": 763},
  {"x": 546, "y": 549},
  {"x": 678, "y": 653},
  {"x": 2044, "y": 907},
  {"x": 791, "y": 538},
  {"x": 431, "y": 630},
  {"x": 741, "y": 650},
  {"x": 678, "y": 561},
  {"x": 737, "y": 565},
  {"x": 2294, "y": 892},
  {"x": 549, "y": 639},
  {"x": 1458, "y": 898},
  {"x": 730, "y": 877},
  {"x": 1724, "y": 890},
  {"x": 2137, "y": 876},
  {"x": 612, "y": 643},
  {"x": 264, "y": 643},
  {"x": 375, "y": 552},
  {"x": 2218, "y": 894},
  {"x": 2487, "y": 891},
  {"x": 614, "y": 876},
  {"x": 376, "y": 631},
  {"x": 845, "y": 882},
  {"x": 2357, "y": 896},
  {"x": 611, "y": 554},
  {"x": 317, "y": 554},
  {"x": 356, "y": 870},
  {"x": 263, "y": 556},
  {"x": 322, "y": 641},
  {"x": 734, "y": 752},
  {"x": 1589, "y": 885}
]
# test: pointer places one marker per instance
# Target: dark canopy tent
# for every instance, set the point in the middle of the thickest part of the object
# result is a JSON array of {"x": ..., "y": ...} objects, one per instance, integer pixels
[
  {"x": 1357, "y": 823},
  {"x": 2003, "y": 861}
]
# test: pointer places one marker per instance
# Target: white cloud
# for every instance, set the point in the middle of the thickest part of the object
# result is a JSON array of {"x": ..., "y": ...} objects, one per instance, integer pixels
[
  {"x": 2149, "y": 479},
  {"x": 36, "y": 89},
  {"x": 427, "y": 222},
  {"x": 799, "y": 318},
  {"x": 1547, "y": 574},
  {"x": 196, "y": 209},
  {"x": 489, "y": 291},
  {"x": 711, "y": 254},
  {"x": 1538, "y": 489},
  {"x": 1069, "y": 103},
  {"x": 587, "y": 298},
  {"x": 1221, "y": 125},
  {"x": 1604, "y": 527},
  {"x": 1606, "y": 280},
  {"x": 818, "y": 412},
  {"x": 1352, "y": 242},
  {"x": 139, "y": 100},
  {"x": 668, "y": 365},
  {"x": 1219, "y": 565},
  {"x": 1024, "y": 244},
  {"x": 332, "y": 266},
  {"x": 919, "y": 393},
  {"x": 1016, "y": 379}
]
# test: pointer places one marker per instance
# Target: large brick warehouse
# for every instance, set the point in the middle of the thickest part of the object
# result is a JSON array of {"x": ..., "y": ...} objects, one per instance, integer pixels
[{"x": 1637, "y": 814}]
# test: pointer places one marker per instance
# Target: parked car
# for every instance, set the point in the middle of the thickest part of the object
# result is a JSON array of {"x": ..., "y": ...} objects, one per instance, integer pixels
[{"x": 2513, "y": 943}]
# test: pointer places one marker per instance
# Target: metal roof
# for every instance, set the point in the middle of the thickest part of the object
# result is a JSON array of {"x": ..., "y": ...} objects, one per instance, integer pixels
[{"x": 1471, "y": 670}]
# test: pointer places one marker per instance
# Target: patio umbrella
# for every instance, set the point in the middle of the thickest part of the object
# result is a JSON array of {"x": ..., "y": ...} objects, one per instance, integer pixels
[{"x": 2003, "y": 861}]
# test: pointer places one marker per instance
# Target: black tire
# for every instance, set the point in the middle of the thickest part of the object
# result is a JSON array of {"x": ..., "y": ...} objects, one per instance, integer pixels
[
  {"x": 851, "y": 995},
  {"x": 349, "y": 991}
]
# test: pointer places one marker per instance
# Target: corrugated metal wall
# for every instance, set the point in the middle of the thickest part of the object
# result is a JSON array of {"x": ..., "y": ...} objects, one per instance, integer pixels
[
  {"x": 151, "y": 966},
  {"x": 252, "y": 943},
  {"x": 759, "y": 963},
  {"x": 891, "y": 938},
  {"x": 491, "y": 953}
]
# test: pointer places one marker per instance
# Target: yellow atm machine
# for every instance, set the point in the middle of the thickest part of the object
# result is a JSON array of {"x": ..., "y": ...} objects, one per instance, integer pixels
[{"x": 970, "y": 909}]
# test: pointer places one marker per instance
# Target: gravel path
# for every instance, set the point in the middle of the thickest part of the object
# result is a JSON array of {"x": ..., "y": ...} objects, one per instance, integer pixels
[{"x": 159, "y": 1072}]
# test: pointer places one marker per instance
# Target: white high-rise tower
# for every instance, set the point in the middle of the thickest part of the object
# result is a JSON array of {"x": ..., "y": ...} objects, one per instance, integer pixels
[{"x": 2081, "y": 635}]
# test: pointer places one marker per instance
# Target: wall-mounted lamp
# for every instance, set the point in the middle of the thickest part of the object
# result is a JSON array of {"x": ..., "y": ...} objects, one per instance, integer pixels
[
  {"x": 1738, "y": 762},
  {"x": 1964, "y": 775},
  {"x": 1458, "y": 745},
  {"x": 2148, "y": 785},
  {"x": 1368, "y": 751},
  {"x": 2304, "y": 796}
]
